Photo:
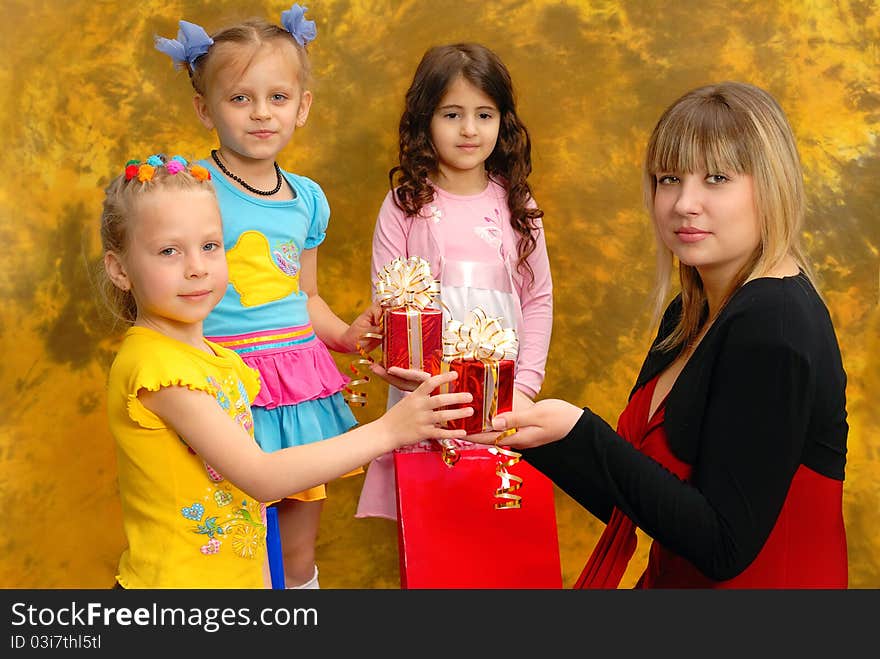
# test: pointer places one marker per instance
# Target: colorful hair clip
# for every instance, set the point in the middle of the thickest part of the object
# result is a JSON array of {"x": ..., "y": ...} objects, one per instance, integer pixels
[
  {"x": 200, "y": 173},
  {"x": 300, "y": 29},
  {"x": 192, "y": 42},
  {"x": 145, "y": 171}
]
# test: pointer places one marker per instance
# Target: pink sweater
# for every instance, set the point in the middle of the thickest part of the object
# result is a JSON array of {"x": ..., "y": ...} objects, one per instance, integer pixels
[{"x": 396, "y": 236}]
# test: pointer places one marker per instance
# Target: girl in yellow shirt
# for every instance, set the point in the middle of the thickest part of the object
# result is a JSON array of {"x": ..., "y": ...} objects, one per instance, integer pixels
[{"x": 192, "y": 480}]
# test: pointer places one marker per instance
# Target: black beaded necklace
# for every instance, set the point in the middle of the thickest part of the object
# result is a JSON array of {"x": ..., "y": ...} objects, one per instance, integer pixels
[{"x": 245, "y": 185}]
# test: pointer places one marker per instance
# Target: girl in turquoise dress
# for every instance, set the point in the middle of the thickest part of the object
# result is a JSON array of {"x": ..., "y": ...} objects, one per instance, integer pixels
[{"x": 251, "y": 84}]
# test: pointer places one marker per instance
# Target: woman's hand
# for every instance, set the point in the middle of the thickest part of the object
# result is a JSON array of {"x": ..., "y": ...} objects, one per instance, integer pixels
[
  {"x": 544, "y": 422},
  {"x": 521, "y": 401}
]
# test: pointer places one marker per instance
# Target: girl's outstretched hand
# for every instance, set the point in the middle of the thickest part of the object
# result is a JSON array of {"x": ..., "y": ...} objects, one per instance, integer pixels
[
  {"x": 366, "y": 323},
  {"x": 403, "y": 378},
  {"x": 418, "y": 416},
  {"x": 544, "y": 422}
]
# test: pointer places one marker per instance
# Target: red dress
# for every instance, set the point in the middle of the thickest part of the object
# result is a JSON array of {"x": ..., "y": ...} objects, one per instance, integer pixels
[{"x": 805, "y": 549}]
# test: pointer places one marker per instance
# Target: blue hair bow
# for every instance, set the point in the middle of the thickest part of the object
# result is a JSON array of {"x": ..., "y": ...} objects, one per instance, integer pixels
[
  {"x": 300, "y": 29},
  {"x": 192, "y": 42}
]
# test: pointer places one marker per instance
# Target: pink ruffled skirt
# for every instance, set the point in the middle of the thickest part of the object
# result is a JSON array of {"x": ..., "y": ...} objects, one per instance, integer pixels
[{"x": 300, "y": 399}]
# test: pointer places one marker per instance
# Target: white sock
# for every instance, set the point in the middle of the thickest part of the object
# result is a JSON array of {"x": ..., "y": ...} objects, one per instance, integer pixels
[{"x": 311, "y": 584}]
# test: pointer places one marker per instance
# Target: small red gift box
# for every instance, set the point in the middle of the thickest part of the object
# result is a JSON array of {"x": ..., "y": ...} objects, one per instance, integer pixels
[
  {"x": 413, "y": 338},
  {"x": 490, "y": 383}
]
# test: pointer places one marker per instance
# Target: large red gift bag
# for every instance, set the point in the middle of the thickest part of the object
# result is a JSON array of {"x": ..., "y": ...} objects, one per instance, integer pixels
[
  {"x": 451, "y": 535},
  {"x": 412, "y": 328}
]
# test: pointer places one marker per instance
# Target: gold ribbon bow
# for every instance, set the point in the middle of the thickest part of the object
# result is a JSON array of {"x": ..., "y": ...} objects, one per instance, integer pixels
[
  {"x": 479, "y": 337},
  {"x": 406, "y": 283}
]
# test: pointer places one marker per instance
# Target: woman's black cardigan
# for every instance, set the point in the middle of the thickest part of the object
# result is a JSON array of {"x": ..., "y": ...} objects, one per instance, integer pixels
[{"x": 763, "y": 393}]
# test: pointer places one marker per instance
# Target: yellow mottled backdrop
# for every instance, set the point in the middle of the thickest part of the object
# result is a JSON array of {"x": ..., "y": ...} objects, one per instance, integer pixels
[{"x": 83, "y": 91}]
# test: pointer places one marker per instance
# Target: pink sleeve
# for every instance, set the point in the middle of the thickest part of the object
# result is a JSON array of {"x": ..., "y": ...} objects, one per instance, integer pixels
[
  {"x": 537, "y": 310},
  {"x": 389, "y": 236}
]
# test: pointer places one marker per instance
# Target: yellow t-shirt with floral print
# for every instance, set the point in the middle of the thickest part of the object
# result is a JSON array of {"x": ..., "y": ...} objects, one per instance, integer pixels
[{"x": 186, "y": 526}]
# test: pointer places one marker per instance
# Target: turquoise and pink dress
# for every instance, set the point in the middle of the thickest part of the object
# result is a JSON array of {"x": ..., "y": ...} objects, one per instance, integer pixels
[{"x": 263, "y": 316}]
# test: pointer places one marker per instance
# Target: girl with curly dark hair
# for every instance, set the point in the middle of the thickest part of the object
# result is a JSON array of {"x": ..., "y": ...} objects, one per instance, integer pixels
[{"x": 460, "y": 199}]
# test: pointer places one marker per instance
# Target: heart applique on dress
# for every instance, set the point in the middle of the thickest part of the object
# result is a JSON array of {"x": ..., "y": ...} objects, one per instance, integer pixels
[
  {"x": 211, "y": 547},
  {"x": 213, "y": 474},
  {"x": 193, "y": 512},
  {"x": 222, "y": 497}
]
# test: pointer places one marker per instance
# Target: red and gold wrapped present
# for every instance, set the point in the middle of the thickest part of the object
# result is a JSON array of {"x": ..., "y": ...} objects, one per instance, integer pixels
[
  {"x": 490, "y": 383},
  {"x": 413, "y": 338},
  {"x": 482, "y": 352},
  {"x": 412, "y": 334}
]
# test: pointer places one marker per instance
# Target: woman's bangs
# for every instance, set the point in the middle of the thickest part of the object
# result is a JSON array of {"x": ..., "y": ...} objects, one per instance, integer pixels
[{"x": 703, "y": 137}]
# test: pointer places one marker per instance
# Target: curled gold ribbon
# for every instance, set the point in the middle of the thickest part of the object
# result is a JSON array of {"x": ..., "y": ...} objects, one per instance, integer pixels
[
  {"x": 479, "y": 337},
  {"x": 510, "y": 483},
  {"x": 449, "y": 452},
  {"x": 406, "y": 283},
  {"x": 359, "y": 368}
]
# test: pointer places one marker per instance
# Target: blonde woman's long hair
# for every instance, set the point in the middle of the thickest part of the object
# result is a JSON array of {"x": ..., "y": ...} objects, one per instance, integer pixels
[{"x": 729, "y": 126}]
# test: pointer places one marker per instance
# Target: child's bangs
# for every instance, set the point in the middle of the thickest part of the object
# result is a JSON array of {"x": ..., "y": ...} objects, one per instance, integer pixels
[{"x": 705, "y": 135}]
